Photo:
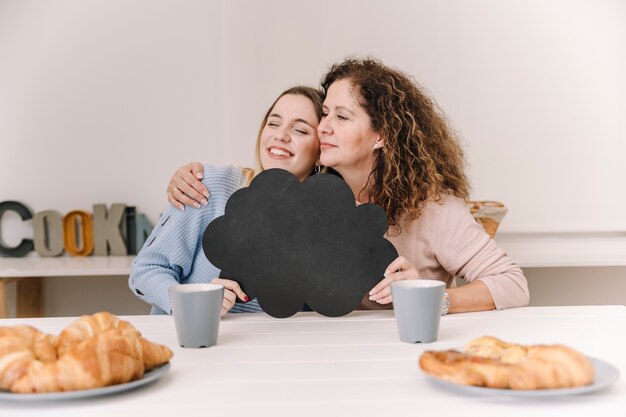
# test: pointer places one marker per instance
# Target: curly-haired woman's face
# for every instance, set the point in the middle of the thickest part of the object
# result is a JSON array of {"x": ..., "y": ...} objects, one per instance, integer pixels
[{"x": 347, "y": 140}]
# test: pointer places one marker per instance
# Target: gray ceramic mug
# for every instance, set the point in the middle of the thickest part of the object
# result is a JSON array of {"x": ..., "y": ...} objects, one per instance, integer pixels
[
  {"x": 417, "y": 307},
  {"x": 196, "y": 309}
]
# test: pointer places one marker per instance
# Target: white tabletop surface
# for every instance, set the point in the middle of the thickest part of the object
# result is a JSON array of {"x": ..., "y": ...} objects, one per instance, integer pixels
[{"x": 310, "y": 365}]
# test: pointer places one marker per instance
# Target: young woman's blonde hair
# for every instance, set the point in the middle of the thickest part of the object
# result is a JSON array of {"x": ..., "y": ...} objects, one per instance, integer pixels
[
  {"x": 421, "y": 158},
  {"x": 312, "y": 94}
]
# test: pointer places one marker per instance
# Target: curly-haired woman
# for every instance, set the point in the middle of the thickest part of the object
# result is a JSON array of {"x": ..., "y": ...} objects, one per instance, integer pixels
[{"x": 386, "y": 138}]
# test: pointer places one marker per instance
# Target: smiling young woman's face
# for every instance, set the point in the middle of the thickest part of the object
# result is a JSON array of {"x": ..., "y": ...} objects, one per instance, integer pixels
[{"x": 289, "y": 138}]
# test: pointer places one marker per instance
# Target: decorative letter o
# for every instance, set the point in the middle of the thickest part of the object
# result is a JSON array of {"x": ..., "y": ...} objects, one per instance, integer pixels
[{"x": 70, "y": 223}]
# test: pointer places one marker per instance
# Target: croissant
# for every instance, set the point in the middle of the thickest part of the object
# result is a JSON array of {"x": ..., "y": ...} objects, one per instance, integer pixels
[
  {"x": 153, "y": 354},
  {"x": 87, "y": 326},
  {"x": 551, "y": 367},
  {"x": 110, "y": 357},
  {"x": 490, "y": 362},
  {"x": 94, "y": 351},
  {"x": 20, "y": 346}
]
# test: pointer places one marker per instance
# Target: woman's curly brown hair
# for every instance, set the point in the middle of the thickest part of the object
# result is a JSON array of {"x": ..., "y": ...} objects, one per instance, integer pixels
[{"x": 421, "y": 159}]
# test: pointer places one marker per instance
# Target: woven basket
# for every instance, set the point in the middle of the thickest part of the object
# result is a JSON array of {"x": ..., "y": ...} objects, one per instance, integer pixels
[{"x": 488, "y": 214}]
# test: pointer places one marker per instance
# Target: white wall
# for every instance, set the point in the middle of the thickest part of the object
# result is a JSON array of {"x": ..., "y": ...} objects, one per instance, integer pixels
[
  {"x": 535, "y": 88},
  {"x": 101, "y": 100}
]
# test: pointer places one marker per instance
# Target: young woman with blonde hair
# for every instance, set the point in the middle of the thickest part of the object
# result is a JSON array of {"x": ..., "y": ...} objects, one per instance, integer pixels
[{"x": 173, "y": 253}]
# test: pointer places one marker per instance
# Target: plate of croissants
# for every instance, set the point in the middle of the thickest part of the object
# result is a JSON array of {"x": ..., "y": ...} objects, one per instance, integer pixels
[
  {"x": 95, "y": 355},
  {"x": 490, "y": 366}
]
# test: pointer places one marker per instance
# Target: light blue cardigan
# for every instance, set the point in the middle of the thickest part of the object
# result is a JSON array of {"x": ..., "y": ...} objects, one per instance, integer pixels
[{"x": 173, "y": 252}]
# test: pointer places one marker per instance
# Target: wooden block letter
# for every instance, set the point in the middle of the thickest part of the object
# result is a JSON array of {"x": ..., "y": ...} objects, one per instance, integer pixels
[
  {"x": 78, "y": 227},
  {"x": 142, "y": 231},
  {"x": 48, "y": 233},
  {"x": 131, "y": 230},
  {"x": 26, "y": 245},
  {"x": 107, "y": 232}
]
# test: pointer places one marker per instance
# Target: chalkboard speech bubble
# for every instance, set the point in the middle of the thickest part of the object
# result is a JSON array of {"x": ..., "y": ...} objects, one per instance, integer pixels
[{"x": 289, "y": 243}]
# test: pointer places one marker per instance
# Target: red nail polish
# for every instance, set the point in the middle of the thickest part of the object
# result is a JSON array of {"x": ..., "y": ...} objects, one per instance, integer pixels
[{"x": 246, "y": 299}]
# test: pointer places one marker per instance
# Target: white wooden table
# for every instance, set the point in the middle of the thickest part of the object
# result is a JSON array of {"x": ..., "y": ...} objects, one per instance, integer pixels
[{"x": 310, "y": 365}]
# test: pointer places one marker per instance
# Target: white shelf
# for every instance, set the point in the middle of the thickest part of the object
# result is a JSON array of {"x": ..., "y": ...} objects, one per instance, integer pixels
[
  {"x": 64, "y": 266},
  {"x": 528, "y": 250},
  {"x": 565, "y": 249}
]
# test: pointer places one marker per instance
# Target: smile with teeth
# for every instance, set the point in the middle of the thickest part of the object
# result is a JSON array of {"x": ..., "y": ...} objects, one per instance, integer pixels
[{"x": 279, "y": 152}]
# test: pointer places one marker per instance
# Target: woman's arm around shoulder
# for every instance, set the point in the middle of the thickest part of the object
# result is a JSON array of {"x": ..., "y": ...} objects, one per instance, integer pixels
[{"x": 189, "y": 181}]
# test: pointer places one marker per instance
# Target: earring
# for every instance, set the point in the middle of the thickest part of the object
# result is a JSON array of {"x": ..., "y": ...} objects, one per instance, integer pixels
[
  {"x": 378, "y": 146},
  {"x": 318, "y": 169}
]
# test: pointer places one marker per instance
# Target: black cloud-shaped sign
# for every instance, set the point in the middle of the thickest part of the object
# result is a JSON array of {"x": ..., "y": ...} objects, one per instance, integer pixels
[{"x": 289, "y": 243}]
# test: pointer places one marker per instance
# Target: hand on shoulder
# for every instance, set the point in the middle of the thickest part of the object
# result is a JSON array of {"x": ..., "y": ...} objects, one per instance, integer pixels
[{"x": 186, "y": 187}]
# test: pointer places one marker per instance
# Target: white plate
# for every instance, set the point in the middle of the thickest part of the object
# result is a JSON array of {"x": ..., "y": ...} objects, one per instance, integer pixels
[
  {"x": 147, "y": 378},
  {"x": 605, "y": 375}
]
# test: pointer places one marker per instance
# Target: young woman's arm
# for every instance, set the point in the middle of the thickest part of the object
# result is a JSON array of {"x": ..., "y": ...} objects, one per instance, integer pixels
[
  {"x": 167, "y": 257},
  {"x": 173, "y": 252}
]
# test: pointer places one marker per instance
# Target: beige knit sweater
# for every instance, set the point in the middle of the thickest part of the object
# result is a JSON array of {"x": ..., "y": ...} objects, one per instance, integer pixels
[{"x": 446, "y": 241}]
